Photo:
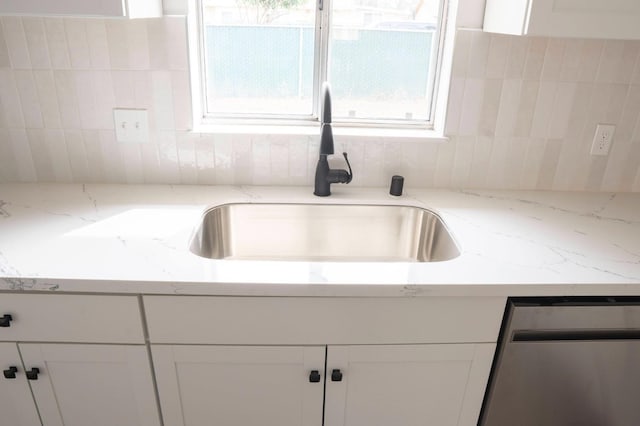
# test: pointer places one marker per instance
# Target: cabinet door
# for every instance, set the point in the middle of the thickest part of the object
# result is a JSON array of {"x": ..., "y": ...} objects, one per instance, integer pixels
[
  {"x": 409, "y": 385},
  {"x": 97, "y": 385},
  {"x": 16, "y": 402},
  {"x": 239, "y": 385}
]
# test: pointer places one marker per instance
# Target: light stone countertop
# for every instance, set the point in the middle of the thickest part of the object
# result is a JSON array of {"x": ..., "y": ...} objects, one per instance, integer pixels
[{"x": 134, "y": 239}]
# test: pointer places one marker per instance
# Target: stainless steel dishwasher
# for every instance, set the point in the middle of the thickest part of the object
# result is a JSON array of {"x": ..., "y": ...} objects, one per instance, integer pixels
[{"x": 566, "y": 362}]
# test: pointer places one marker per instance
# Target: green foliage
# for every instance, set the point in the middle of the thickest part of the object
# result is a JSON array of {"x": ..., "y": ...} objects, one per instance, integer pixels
[{"x": 274, "y": 4}]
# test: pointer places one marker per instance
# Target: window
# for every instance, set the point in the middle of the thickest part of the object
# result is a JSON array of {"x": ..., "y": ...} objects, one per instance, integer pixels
[{"x": 265, "y": 60}]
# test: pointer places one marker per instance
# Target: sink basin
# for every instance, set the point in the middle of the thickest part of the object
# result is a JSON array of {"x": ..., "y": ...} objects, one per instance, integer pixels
[{"x": 323, "y": 232}]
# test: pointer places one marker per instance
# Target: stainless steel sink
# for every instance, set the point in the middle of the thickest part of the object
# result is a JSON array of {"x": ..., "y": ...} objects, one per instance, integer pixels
[{"x": 323, "y": 232}]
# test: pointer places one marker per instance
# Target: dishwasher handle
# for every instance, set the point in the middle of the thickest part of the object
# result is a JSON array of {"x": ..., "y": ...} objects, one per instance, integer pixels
[{"x": 574, "y": 335}]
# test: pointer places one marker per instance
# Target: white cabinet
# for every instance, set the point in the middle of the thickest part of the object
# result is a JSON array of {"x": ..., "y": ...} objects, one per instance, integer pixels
[
  {"x": 16, "y": 403},
  {"x": 409, "y": 385},
  {"x": 240, "y": 385},
  {"x": 104, "y": 379},
  {"x": 611, "y": 19},
  {"x": 373, "y": 385},
  {"x": 256, "y": 361},
  {"x": 107, "y": 8}
]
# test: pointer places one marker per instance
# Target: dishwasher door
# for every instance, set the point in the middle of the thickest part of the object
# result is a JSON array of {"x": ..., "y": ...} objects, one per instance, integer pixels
[{"x": 565, "y": 365}]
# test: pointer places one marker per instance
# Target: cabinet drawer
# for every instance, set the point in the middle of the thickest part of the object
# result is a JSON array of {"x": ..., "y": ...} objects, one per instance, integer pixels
[
  {"x": 318, "y": 320},
  {"x": 71, "y": 318}
]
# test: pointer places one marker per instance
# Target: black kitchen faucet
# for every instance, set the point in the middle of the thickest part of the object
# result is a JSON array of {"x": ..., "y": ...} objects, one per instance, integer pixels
[{"x": 325, "y": 176}]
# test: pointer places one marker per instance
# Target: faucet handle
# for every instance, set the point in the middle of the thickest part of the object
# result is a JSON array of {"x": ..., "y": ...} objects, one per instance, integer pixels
[{"x": 349, "y": 166}]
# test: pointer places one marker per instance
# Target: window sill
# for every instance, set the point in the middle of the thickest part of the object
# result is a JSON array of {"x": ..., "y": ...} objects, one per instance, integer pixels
[{"x": 406, "y": 135}]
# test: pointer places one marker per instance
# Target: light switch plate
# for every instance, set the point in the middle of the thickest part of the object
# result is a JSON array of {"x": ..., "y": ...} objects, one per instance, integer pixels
[{"x": 132, "y": 125}]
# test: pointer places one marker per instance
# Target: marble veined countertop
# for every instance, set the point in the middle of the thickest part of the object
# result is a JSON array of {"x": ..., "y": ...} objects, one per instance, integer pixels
[{"x": 134, "y": 239}]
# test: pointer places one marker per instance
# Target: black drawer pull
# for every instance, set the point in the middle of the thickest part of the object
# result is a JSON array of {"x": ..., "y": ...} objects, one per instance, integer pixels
[
  {"x": 314, "y": 376},
  {"x": 5, "y": 321},
  {"x": 33, "y": 373},
  {"x": 10, "y": 373},
  {"x": 336, "y": 375}
]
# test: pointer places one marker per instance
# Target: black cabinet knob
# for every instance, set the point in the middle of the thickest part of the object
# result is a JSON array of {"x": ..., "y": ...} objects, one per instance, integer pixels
[
  {"x": 10, "y": 373},
  {"x": 336, "y": 375},
  {"x": 5, "y": 321},
  {"x": 314, "y": 376},
  {"x": 33, "y": 373}
]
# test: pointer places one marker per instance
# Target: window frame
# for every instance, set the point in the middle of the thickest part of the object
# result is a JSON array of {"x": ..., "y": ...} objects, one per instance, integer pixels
[{"x": 438, "y": 86}]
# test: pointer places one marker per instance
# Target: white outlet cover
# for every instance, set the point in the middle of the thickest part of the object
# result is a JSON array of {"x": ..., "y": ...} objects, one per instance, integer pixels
[
  {"x": 132, "y": 125},
  {"x": 602, "y": 139}
]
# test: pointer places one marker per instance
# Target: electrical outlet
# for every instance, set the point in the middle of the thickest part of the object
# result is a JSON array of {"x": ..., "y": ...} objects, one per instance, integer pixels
[
  {"x": 602, "y": 139},
  {"x": 132, "y": 125}
]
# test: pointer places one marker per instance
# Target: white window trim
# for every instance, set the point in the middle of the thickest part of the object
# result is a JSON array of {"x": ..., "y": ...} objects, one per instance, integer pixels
[{"x": 202, "y": 124}]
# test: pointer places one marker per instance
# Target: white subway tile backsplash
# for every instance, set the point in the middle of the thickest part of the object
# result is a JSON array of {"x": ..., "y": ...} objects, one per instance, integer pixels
[
  {"x": 497, "y": 57},
  {"x": 29, "y": 101},
  {"x": 5, "y": 61},
  {"x": 48, "y": 99},
  {"x": 553, "y": 57},
  {"x": 41, "y": 155},
  {"x": 138, "y": 45},
  {"x": 117, "y": 43},
  {"x": 84, "y": 85},
  {"x": 610, "y": 61},
  {"x": 461, "y": 54},
  {"x": 298, "y": 155},
  {"x": 150, "y": 163},
  {"x": 591, "y": 54},
  {"x": 490, "y": 107},
  {"x": 205, "y": 159},
  {"x": 10, "y": 169},
  {"x": 175, "y": 31},
  {"x": 16, "y": 41},
  {"x": 536, "y": 53},
  {"x": 168, "y": 156},
  {"x": 162, "y": 93},
  {"x": 124, "y": 89},
  {"x": 526, "y": 107},
  {"x": 516, "y": 58},
  {"x": 77, "y": 42},
  {"x": 521, "y": 114},
  {"x": 10, "y": 99},
  {"x": 544, "y": 105},
  {"x": 549, "y": 164},
  {"x": 571, "y": 62},
  {"x": 533, "y": 156},
  {"x": 186, "y": 147},
  {"x": 133, "y": 167},
  {"x": 98, "y": 44},
  {"x": 478, "y": 55},
  {"x": 77, "y": 155},
  {"x": 57, "y": 43},
  {"x": 57, "y": 148},
  {"x": 22, "y": 155},
  {"x": 454, "y": 108},
  {"x": 223, "y": 162},
  {"x": 181, "y": 96},
  {"x": 508, "y": 110},
  {"x": 158, "y": 44},
  {"x": 471, "y": 107},
  {"x": 95, "y": 158},
  {"x": 67, "y": 95},
  {"x": 561, "y": 110},
  {"x": 36, "y": 42},
  {"x": 463, "y": 161}
]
